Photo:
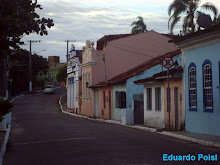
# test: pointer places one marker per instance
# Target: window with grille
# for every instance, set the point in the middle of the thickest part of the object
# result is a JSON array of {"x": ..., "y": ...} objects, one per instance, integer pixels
[
  {"x": 84, "y": 85},
  {"x": 104, "y": 101},
  {"x": 157, "y": 99},
  {"x": 69, "y": 80},
  {"x": 49, "y": 75},
  {"x": 120, "y": 99},
  {"x": 89, "y": 85},
  {"x": 86, "y": 90},
  {"x": 149, "y": 99},
  {"x": 207, "y": 77},
  {"x": 192, "y": 87}
]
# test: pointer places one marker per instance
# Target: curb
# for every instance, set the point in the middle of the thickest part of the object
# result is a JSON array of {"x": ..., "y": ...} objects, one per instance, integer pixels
[
  {"x": 72, "y": 114},
  {"x": 16, "y": 97},
  {"x": 195, "y": 140},
  {"x": 146, "y": 128},
  {"x": 154, "y": 130},
  {"x": 105, "y": 121},
  {"x": 3, "y": 149}
]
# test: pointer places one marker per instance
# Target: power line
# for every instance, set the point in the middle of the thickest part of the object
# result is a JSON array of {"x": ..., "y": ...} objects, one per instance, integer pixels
[
  {"x": 141, "y": 54},
  {"x": 78, "y": 34},
  {"x": 30, "y": 64},
  {"x": 103, "y": 22},
  {"x": 112, "y": 9},
  {"x": 99, "y": 21},
  {"x": 90, "y": 21},
  {"x": 81, "y": 9}
]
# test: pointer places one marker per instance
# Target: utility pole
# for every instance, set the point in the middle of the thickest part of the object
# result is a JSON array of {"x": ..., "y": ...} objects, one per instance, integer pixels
[
  {"x": 168, "y": 63},
  {"x": 168, "y": 97},
  {"x": 30, "y": 65},
  {"x": 105, "y": 67},
  {"x": 67, "y": 48},
  {"x": 7, "y": 75}
]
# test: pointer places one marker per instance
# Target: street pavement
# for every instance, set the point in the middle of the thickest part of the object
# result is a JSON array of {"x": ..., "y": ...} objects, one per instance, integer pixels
[{"x": 42, "y": 135}]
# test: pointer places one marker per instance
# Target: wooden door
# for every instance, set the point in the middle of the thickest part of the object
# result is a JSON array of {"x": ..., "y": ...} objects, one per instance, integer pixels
[
  {"x": 138, "y": 112},
  {"x": 176, "y": 106},
  {"x": 110, "y": 106}
]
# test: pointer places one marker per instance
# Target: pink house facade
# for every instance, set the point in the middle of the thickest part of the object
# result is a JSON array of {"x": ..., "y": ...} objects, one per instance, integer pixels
[{"x": 116, "y": 56}]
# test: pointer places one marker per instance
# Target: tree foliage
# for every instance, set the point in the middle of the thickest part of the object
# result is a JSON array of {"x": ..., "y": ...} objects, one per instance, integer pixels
[
  {"x": 188, "y": 10},
  {"x": 19, "y": 66},
  {"x": 138, "y": 26},
  {"x": 5, "y": 107},
  {"x": 62, "y": 75},
  {"x": 18, "y": 18}
]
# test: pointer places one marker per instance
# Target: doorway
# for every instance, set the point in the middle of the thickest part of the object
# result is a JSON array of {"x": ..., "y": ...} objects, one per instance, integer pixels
[
  {"x": 138, "y": 109},
  {"x": 96, "y": 104},
  {"x": 176, "y": 106},
  {"x": 110, "y": 107}
]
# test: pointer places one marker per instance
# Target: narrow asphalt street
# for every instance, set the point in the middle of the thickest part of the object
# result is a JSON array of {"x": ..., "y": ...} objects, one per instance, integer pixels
[{"x": 42, "y": 135}]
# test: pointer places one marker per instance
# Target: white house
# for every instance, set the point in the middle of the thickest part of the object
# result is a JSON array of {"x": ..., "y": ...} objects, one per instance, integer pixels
[{"x": 74, "y": 72}]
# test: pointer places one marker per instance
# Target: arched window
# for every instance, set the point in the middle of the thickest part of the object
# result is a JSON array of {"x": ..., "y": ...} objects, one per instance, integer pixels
[
  {"x": 192, "y": 88},
  {"x": 207, "y": 86}
]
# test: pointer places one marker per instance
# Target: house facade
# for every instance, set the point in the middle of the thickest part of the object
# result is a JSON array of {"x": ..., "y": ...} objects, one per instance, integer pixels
[
  {"x": 177, "y": 114},
  {"x": 92, "y": 72},
  {"x": 106, "y": 102},
  {"x": 119, "y": 100},
  {"x": 153, "y": 84},
  {"x": 74, "y": 72},
  {"x": 97, "y": 64},
  {"x": 142, "y": 89},
  {"x": 201, "y": 81}
]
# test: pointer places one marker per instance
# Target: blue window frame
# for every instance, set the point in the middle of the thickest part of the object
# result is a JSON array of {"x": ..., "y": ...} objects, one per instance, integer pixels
[
  {"x": 69, "y": 80},
  {"x": 192, "y": 87},
  {"x": 207, "y": 86}
]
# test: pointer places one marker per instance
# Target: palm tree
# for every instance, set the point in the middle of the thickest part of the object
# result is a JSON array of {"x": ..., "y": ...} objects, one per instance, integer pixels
[
  {"x": 138, "y": 26},
  {"x": 189, "y": 8}
]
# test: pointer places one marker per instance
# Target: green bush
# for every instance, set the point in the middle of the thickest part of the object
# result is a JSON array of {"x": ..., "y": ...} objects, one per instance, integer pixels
[{"x": 5, "y": 107}]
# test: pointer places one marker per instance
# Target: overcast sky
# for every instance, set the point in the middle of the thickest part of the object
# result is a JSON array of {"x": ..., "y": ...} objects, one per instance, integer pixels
[{"x": 82, "y": 20}]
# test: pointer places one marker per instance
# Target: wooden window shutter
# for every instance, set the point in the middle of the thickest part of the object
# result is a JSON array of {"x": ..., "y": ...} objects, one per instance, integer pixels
[
  {"x": 104, "y": 98},
  {"x": 123, "y": 99},
  {"x": 117, "y": 99}
]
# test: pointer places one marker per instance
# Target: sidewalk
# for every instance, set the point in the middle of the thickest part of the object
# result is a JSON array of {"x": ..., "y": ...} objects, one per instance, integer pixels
[
  {"x": 208, "y": 140},
  {"x": 4, "y": 136}
]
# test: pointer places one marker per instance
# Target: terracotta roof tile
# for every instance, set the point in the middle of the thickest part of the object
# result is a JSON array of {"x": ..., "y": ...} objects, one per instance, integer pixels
[
  {"x": 107, "y": 38},
  {"x": 164, "y": 73}
]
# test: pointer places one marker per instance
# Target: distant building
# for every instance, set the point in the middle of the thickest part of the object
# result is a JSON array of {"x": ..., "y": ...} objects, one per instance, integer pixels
[
  {"x": 50, "y": 77},
  {"x": 74, "y": 73},
  {"x": 54, "y": 59}
]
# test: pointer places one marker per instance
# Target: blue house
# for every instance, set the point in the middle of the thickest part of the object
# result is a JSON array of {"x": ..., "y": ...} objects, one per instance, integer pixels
[
  {"x": 136, "y": 93},
  {"x": 201, "y": 57}
]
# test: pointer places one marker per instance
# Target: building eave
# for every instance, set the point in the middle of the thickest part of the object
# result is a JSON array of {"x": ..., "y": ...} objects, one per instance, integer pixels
[
  {"x": 199, "y": 41},
  {"x": 90, "y": 63},
  {"x": 175, "y": 73}
]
